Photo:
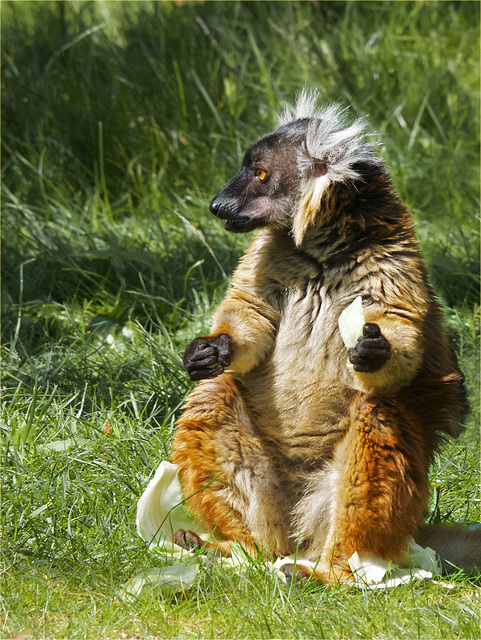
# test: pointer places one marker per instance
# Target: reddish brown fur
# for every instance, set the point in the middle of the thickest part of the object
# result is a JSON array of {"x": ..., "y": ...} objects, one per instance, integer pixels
[
  {"x": 384, "y": 480},
  {"x": 198, "y": 458}
]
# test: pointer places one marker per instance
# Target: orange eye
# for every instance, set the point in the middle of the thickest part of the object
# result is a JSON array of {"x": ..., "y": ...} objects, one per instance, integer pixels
[{"x": 261, "y": 174}]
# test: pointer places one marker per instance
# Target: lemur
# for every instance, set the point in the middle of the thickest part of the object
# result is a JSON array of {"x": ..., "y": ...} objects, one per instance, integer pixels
[{"x": 291, "y": 440}]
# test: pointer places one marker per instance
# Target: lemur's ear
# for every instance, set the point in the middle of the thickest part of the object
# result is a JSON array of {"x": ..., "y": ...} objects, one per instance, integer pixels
[
  {"x": 319, "y": 168},
  {"x": 329, "y": 140},
  {"x": 329, "y": 155}
]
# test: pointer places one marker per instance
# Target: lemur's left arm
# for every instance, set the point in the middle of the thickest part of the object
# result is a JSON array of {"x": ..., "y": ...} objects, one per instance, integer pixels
[{"x": 391, "y": 350}]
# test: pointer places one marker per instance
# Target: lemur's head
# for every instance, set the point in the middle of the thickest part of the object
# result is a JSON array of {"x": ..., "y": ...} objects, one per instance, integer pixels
[{"x": 284, "y": 175}]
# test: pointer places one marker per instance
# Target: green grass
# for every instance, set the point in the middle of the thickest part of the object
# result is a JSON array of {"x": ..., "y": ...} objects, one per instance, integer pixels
[{"x": 120, "y": 121}]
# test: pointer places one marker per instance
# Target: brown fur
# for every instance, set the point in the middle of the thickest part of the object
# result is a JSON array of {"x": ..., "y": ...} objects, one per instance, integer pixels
[{"x": 291, "y": 445}]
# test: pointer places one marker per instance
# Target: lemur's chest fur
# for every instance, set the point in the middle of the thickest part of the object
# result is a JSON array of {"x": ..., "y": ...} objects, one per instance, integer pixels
[{"x": 300, "y": 395}]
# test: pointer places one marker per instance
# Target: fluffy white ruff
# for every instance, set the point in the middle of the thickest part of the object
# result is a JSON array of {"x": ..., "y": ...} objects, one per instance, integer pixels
[
  {"x": 329, "y": 138},
  {"x": 308, "y": 207},
  {"x": 333, "y": 143}
]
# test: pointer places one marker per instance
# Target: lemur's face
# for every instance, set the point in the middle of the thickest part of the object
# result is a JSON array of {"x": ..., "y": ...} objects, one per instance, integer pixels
[
  {"x": 266, "y": 187},
  {"x": 285, "y": 176}
]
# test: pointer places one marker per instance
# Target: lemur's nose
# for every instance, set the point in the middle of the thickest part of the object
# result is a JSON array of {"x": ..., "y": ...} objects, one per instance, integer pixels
[{"x": 214, "y": 206}]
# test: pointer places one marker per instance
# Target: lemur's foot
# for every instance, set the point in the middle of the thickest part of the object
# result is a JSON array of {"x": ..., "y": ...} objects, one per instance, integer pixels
[{"x": 190, "y": 540}]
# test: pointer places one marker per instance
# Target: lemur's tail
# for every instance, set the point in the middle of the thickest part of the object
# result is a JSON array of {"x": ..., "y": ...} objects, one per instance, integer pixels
[{"x": 458, "y": 546}]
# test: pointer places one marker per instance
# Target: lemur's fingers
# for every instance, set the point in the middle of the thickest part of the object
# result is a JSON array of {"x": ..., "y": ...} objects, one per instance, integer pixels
[
  {"x": 301, "y": 576},
  {"x": 199, "y": 349},
  {"x": 207, "y": 356},
  {"x": 190, "y": 540},
  {"x": 205, "y": 373},
  {"x": 372, "y": 350}
]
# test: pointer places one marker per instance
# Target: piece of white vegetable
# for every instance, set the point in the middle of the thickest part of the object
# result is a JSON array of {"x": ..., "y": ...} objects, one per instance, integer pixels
[
  {"x": 166, "y": 579},
  {"x": 161, "y": 511},
  {"x": 351, "y": 322},
  {"x": 418, "y": 563}
]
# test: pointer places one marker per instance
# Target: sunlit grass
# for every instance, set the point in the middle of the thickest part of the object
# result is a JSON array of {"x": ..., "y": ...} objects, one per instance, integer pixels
[{"x": 120, "y": 121}]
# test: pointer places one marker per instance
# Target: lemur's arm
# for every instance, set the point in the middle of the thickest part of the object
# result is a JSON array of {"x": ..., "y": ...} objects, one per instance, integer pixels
[
  {"x": 390, "y": 352},
  {"x": 244, "y": 325}
]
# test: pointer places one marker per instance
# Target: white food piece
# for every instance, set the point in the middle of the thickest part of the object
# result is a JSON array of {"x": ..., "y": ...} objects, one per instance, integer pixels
[
  {"x": 161, "y": 511},
  {"x": 167, "y": 579},
  {"x": 422, "y": 557},
  {"x": 418, "y": 563},
  {"x": 368, "y": 567},
  {"x": 351, "y": 321}
]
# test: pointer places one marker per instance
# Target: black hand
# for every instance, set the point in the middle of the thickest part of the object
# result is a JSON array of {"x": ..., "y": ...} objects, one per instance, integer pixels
[
  {"x": 206, "y": 357},
  {"x": 372, "y": 350}
]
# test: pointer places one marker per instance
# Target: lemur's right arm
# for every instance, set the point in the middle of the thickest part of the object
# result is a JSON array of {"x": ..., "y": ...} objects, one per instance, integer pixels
[{"x": 244, "y": 325}]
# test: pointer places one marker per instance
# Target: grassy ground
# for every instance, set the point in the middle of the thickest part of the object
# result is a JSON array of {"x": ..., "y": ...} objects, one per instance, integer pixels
[{"x": 120, "y": 121}]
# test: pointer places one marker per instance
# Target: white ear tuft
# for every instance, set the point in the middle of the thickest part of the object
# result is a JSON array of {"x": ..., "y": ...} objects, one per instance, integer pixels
[
  {"x": 328, "y": 155},
  {"x": 305, "y": 107},
  {"x": 306, "y": 104},
  {"x": 337, "y": 145}
]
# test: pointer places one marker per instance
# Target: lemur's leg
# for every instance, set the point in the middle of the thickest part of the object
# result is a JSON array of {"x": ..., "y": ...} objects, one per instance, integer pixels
[
  {"x": 373, "y": 495},
  {"x": 232, "y": 482}
]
